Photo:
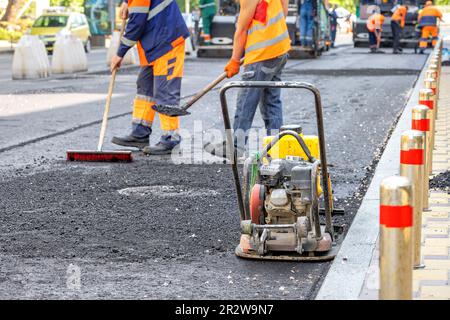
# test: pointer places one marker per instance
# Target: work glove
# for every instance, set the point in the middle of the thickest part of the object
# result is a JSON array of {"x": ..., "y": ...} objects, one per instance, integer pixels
[{"x": 232, "y": 68}]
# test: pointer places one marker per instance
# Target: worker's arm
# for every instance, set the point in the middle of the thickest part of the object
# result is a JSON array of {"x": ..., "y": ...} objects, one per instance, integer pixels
[
  {"x": 285, "y": 4},
  {"x": 138, "y": 13},
  {"x": 124, "y": 10},
  {"x": 246, "y": 14}
]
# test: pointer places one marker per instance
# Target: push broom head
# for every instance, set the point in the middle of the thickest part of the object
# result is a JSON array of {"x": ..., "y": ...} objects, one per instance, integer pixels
[
  {"x": 99, "y": 156},
  {"x": 171, "y": 111}
]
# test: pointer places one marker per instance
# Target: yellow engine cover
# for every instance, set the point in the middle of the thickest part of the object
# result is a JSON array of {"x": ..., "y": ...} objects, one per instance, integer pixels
[{"x": 289, "y": 146}]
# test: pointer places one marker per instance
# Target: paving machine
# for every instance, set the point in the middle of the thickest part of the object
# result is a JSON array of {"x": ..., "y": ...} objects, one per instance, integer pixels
[
  {"x": 223, "y": 28},
  {"x": 280, "y": 195}
]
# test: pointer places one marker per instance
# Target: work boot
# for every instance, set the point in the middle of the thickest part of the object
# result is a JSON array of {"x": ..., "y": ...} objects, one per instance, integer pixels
[
  {"x": 220, "y": 149},
  {"x": 164, "y": 146},
  {"x": 421, "y": 51},
  {"x": 131, "y": 141},
  {"x": 400, "y": 49},
  {"x": 396, "y": 52},
  {"x": 373, "y": 50}
]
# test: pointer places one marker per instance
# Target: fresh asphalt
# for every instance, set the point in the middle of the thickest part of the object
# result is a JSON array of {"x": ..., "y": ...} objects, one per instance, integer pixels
[{"x": 174, "y": 236}]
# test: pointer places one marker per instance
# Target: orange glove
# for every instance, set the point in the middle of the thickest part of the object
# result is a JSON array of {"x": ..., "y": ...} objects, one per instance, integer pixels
[{"x": 232, "y": 68}]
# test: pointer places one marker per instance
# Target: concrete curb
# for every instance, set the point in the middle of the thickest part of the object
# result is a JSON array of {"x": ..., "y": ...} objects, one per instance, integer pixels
[{"x": 345, "y": 279}]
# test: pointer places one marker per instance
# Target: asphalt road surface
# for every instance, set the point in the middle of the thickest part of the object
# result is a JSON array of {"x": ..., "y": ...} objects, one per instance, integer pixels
[{"x": 153, "y": 229}]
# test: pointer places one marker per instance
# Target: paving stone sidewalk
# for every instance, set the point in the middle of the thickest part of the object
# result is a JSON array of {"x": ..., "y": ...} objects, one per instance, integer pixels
[{"x": 431, "y": 282}]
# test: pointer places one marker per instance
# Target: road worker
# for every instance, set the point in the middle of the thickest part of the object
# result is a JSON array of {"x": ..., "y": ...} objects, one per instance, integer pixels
[
  {"x": 398, "y": 20},
  {"x": 428, "y": 18},
  {"x": 208, "y": 11},
  {"x": 333, "y": 24},
  {"x": 307, "y": 10},
  {"x": 159, "y": 31},
  {"x": 262, "y": 38},
  {"x": 375, "y": 27}
]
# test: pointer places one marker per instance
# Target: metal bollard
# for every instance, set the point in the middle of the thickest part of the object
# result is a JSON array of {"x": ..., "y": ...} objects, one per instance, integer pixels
[
  {"x": 431, "y": 84},
  {"x": 412, "y": 167},
  {"x": 433, "y": 66},
  {"x": 432, "y": 74},
  {"x": 396, "y": 219},
  {"x": 426, "y": 98},
  {"x": 421, "y": 122}
]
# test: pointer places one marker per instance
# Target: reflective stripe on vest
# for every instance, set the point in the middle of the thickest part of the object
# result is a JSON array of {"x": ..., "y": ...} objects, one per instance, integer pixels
[
  {"x": 138, "y": 9},
  {"x": 267, "y": 40},
  {"x": 271, "y": 21},
  {"x": 160, "y": 7},
  {"x": 267, "y": 43}
]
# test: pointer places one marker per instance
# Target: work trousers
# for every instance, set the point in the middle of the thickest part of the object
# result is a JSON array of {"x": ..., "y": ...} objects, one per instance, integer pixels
[
  {"x": 207, "y": 22},
  {"x": 267, "y": 98},
  {"x": 158, "y": 83},
  {"x": 428, "y": 31},
  {"x": 306, "y": 25},
  {"x": 396, "y": 34}
]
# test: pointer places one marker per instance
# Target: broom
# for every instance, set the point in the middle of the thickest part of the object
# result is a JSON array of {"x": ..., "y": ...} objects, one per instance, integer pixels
[{"x": 99, "y": 155}]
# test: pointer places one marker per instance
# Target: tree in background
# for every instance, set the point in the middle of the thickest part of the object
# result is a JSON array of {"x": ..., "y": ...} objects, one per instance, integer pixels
[
  {"x": 12, "y": 9},
  {"x": 182, "y": 4}
]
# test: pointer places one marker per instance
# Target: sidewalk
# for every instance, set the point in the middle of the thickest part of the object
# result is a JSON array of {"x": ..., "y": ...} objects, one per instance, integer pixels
[
  {"x": 354, "y": 273},
  {"x": 432, "y": 282},
  {"x": 5, "y": 47}
]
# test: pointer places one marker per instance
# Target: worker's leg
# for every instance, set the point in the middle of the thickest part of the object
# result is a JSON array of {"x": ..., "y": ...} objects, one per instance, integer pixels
[
  {"x": 310, "y": 28},
  {"x": 395, "y": 27},
  {"x": 168, "y": 73},
  {"x": 248, "y": 100},
  {"x": 424, "y": 38},
  {"x": 271, "y": 106},
  {"x": 143, "y": 114},
  {"x": 333, "y": 35},
  {"x": 372, "y": 41},
  {"x": 207, "y": 21},
  {"x": 303, "y": 27},
  {"x": 434, "y": 35}
]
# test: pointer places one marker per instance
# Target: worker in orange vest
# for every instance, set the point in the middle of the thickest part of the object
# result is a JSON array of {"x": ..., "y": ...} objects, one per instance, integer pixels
[
  {"x": 262, "y": 38},
  {"x": 398, "y": 20},
  {"x": 375, "y": 27},
  {"x": 428, "y": 19}
]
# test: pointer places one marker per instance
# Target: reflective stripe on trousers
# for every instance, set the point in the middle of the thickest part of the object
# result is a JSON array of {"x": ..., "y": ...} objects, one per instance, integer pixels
[{"x": 159, "y": 83}]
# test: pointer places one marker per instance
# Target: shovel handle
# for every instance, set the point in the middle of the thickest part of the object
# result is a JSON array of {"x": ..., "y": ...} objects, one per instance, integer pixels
[
  {"x": 206, "y": 89},
  {"x": 101, "y": 138}
]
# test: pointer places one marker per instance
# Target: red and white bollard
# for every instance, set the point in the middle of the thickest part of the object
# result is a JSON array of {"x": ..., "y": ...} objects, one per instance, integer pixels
[
  {"x": 426, "y": 98},
  {"x": 421, "y": 122},
  {"x": 396, "y": 249},
  {"x": 412, "y": 158}
]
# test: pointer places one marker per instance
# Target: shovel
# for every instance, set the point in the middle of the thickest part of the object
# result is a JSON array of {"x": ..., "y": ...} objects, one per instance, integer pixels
[{"x": 176, "y": 111}]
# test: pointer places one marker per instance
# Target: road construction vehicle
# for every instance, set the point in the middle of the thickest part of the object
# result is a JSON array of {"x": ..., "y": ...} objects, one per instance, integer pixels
[
  {"x": 282, "y": 189},
  {"x": 364, "y": 9},
  {"x": 223, "y": 28}
]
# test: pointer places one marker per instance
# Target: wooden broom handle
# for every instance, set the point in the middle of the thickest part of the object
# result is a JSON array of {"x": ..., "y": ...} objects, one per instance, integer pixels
[{"x": 108, "y": 97}]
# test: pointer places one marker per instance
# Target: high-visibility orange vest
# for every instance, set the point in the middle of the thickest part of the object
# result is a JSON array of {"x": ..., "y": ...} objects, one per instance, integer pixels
[
  {"x": 267, "y": 35},
  {"x": 375, "y": 21},
  {"x": 400, "y": 15}
]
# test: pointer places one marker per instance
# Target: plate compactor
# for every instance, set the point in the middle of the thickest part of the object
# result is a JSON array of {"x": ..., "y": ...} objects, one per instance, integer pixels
[{"x": 282, "y": 187}]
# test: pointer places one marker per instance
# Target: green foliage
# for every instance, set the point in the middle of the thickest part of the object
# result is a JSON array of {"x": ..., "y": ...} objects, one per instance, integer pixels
[
  {"x": 350, "y": 5},
  {"x": 10, "y": 35},
  {"x": 75, "y": 5},
  {"x": 181, "y": 4}
]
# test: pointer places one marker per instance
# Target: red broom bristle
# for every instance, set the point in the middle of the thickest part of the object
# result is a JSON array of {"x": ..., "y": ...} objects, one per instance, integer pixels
[{"x": 99, "y": 157}]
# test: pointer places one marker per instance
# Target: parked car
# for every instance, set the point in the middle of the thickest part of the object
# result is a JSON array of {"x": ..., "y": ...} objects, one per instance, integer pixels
[{"x": 52, "y": 23}]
